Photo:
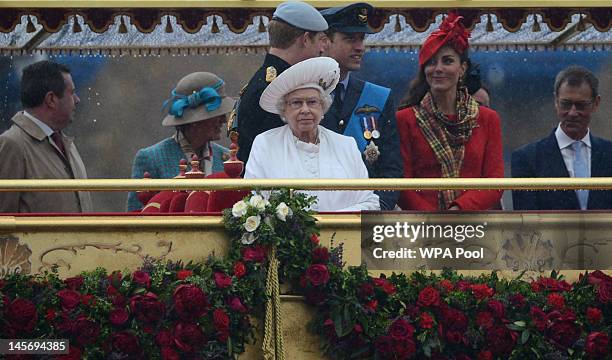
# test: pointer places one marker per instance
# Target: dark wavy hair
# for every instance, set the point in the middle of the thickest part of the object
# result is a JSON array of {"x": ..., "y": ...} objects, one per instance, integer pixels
[
  {"x": 40, "y": 78},
  {"x": 472, "y": 79},
  {"x": 419, "y": 86}
]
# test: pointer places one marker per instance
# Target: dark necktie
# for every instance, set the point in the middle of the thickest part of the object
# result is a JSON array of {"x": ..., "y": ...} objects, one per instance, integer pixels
[
  {"x": 57, "y": 139},
  {"x": 336, "y": 106}
]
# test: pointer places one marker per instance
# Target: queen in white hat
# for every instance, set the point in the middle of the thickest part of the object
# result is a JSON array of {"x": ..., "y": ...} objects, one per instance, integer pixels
[{"x": 302, "y": 148}]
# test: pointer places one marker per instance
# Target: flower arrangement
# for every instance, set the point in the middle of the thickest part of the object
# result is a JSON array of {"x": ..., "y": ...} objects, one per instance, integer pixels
[
  {"x": 449, "y": 316},
  {"x": 203, "y": 310},
  {"x": 161, "y": 311},
  {"x": 283, "y": 220}
]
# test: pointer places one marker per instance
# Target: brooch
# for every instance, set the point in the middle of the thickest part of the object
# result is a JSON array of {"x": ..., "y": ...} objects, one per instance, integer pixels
[{"x": 371, "y": 153}]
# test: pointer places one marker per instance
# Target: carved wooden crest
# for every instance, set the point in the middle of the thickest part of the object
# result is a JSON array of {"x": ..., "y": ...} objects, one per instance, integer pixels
[
  {"x": 528, "y": 251},
  {"x": 14, "y": 257}
]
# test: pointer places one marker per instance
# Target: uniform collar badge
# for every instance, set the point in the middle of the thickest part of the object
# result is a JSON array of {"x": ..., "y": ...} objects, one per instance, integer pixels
[
  {"x": 363, "y": 16},
  {"x": 270, "y": 73}
]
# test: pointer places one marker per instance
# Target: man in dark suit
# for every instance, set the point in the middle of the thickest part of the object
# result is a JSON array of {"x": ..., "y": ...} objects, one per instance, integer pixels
[
  {"x": 361, "y": 109},
  {"x": 569, "y": 151},
  {"x": 296, "y": 34}
]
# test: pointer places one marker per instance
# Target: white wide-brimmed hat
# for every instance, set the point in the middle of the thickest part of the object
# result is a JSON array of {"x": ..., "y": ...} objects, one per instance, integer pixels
[{"x": 321, "y": 73}]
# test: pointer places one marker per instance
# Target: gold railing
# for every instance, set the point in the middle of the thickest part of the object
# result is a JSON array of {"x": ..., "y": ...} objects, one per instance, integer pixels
[
  {"x": 326, "y": 221},
  {"x": 599, "y": 183},
  {"x": 12, "y": 223},
  {"x": 164, "y": 221}
]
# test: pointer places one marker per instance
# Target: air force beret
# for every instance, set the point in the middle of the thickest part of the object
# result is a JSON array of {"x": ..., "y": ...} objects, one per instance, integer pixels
[
  {"x": 351, "y": 18},
  {"x": 300, "y": 15}
]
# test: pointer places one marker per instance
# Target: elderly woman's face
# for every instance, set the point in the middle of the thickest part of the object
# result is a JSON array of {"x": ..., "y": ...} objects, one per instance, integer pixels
[
  {"x": 303, "y": 110},
  {"x": 444, "y": 70}
]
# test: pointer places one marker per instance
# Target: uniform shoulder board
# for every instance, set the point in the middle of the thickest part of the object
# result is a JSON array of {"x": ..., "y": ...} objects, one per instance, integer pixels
[
  {"x": 232, "y": 121},
  {"x": 270, "y": 73},
  {"x": 243, "y": 90},
  {"x": 232, "y": 124}
]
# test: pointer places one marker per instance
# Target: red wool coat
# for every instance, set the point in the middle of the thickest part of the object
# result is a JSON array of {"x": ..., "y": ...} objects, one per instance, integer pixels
[{"x": 483, "y": 158}]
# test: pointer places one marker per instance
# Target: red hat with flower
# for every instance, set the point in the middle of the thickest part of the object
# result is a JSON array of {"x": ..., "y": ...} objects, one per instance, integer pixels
[{"x": 451, "y": 32}]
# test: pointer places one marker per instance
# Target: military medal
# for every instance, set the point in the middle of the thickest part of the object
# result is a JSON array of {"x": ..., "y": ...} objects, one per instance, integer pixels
[
  {"x": 366, "y": 134},
  {"x": 375, "y": 132},
  {"x": 371, "y": 152}
]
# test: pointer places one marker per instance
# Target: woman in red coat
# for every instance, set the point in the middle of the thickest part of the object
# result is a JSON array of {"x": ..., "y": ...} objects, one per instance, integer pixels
[{"x": 443, "y": 131}]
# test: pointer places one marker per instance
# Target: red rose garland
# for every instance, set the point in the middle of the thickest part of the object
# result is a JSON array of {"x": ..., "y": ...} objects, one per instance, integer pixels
[{"x": 174, "y": 311}]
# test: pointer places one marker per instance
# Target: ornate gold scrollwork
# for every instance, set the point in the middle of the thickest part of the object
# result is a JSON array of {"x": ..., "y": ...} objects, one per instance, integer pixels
[
  {"x": 14, "y": 257},
  {"x": 133, "y": 249}
]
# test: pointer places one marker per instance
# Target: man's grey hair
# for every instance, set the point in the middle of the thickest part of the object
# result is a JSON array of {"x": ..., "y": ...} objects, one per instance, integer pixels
[
  {"x": 326, "y": 102},
  {"x": 575, "y": 76}
]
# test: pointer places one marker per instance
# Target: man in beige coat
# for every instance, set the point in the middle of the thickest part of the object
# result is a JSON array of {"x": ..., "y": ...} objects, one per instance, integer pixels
[{"x": 34, "y": 147}]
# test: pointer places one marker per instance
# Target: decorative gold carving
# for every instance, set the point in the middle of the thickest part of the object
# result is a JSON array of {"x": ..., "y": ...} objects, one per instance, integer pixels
[
  {"x": 528, "y": 251},
  {"x": 588, "y": 253},
  {"x": 118, "y": 247},
  {"x": 14, "y": 257}
]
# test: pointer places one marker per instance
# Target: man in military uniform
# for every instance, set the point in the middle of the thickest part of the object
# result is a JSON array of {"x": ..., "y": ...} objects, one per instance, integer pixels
[
  {"x": 361, "y": 109},
  {"x": 296, "y": 33}
]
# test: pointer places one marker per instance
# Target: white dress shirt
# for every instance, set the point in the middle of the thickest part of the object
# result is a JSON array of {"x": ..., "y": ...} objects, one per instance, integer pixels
[{"x": 44, "y": 127}]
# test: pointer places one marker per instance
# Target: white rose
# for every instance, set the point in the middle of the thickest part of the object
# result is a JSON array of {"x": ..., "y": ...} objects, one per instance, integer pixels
[
  {"x": 283, "y": 211},
  {"x": 239, "y": 209},
  {"x": 252, "y": 223},
  {"x": 247, "y": 238},
  {"x": 258, "y": 202}
]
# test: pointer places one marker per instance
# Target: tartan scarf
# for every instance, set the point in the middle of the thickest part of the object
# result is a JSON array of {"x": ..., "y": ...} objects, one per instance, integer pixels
[
  {"x": 204, "y": 154},
  {"x": 448, "y": 138}
]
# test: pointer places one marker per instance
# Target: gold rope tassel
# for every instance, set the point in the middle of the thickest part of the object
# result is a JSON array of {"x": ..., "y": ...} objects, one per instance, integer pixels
[
  {"x": 581, "y": 26},
  {"x": 76, "y": 26},
  {"x": 536, "y": 25},
  {"x": 273, "y": 347},
  {"x": 489, "y": 26},
  {"x": 215, "y": 27},
  {"x": 169, "y": 28},
  {"x": 30, "y": 28}
]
